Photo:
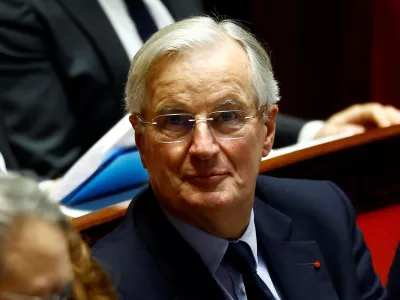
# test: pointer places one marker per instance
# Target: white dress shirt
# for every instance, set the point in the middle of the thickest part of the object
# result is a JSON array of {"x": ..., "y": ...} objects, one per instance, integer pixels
[
  {"x": 118, "y": 15},
  {"x": 211, "y": 250},
  {"x": 3, "y": 169}
]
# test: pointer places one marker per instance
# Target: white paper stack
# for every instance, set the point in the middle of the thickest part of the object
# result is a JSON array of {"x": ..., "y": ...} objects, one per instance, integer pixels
[
  {"x": 304, "y": 145},
  {"x": 121, "y": 135}
]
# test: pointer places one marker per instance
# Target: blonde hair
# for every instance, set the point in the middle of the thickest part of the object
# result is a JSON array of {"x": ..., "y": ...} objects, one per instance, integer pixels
[{"x": 91, "y": 282}]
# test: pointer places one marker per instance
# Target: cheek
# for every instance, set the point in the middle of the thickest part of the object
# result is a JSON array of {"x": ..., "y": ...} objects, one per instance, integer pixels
[
  {"x": 244, "y": 155},
  {"x": 164, "y": 159}
]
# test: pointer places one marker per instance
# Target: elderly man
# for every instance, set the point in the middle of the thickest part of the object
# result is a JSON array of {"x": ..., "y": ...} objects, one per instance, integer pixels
[
  {"x": 202, "y": 99},
  {"x": 75, "y": 75}
]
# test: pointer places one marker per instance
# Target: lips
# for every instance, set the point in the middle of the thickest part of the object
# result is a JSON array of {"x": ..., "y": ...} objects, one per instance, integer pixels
[
  {"x": 205, "y": 175},
  {"x": 206, "y": 178}
]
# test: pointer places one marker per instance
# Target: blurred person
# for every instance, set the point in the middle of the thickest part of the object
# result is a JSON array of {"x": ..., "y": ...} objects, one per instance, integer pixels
[
  {"x": 63, "y": 67},
  {"x": 41, "y": 255},
  {"x": 202, "y": 98}
]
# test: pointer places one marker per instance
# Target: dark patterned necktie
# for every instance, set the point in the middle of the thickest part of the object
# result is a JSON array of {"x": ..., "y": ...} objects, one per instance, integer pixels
[
  {"x": 142, "y": 18},
  {"x": 239, "y": 256}
]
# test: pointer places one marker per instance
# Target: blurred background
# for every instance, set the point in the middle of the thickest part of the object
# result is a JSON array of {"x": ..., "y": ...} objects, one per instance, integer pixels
[{"x": 326, "y": 55}]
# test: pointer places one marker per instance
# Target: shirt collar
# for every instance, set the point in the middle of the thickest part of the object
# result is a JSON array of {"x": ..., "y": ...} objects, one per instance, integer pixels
[{"x": 211, "y": 249}]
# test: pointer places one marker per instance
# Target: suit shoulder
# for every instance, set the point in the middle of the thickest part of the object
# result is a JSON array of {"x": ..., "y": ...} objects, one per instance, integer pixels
[
  {"x": 132, "y": 268},
  {"x": 23, "y": 29},
  {"x": 304, "y": 197},
  {"x": 290, "y": 186},
  {"x": 16, "y": 10},
  {"x": 123, "y": 242}
]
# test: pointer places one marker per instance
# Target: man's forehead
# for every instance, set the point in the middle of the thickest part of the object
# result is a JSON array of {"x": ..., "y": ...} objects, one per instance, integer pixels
[
  {"x": 208, "y": 56},
  {"x": 217, "y": 73}
]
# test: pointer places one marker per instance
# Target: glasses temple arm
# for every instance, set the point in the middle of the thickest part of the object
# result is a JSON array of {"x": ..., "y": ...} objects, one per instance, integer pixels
[{"x": 146, "y": 122}]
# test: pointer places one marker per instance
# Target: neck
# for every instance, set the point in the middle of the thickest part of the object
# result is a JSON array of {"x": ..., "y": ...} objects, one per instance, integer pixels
[{"x": 230, "y": 224}]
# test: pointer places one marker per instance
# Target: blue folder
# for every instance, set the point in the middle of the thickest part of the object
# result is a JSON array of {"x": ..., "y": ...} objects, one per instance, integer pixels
[
  {"x": 111, "y": 199},
  {"x": 121, "y": 174}
]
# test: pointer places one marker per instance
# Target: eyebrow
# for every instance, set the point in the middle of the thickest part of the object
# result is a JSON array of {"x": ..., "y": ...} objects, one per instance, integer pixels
[
  {"x": 176, "y": 108},
  {"x": 169, "y": 109},
  {"x": 230, "y": 102}
]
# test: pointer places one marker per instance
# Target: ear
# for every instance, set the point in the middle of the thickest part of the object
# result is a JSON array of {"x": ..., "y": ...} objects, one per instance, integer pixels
[
  {"x": 139, "y": 136},
  {"x": 270, "y": 127}
]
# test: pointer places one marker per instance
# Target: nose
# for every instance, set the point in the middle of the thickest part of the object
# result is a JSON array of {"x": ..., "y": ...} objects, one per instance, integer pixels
[{"x": 203, "y": 145}]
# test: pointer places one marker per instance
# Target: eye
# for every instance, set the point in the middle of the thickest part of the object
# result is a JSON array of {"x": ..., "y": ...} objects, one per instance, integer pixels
[
  {"x": 175, "y": 120},
  {"x": 227, "y": 116}
]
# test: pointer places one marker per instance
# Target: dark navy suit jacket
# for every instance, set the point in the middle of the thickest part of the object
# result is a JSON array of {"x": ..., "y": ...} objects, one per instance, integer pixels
[
  {"x": 298, "y": 222},
  {"x": 393, "y": 285}
]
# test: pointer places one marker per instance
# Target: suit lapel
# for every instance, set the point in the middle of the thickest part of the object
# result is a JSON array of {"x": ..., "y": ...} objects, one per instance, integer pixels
[
  {"x": 90, "y": 17},
  {"x": 179, "y": 263},
  {"x": 291, "y": 261}
]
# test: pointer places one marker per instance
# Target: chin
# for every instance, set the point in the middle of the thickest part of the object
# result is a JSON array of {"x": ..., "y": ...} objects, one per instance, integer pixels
[{"x": 203, "y": 198}]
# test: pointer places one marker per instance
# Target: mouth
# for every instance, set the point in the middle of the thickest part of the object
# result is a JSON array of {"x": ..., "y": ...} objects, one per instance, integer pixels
[{"x": 211, "y": 178}]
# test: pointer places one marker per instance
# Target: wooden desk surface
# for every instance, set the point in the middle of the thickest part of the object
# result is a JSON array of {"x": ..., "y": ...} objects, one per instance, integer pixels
[
  {"x": 333, "y": 146},
  {"x": 100, "y": 216},
  {"x": 294, "y": 164}
]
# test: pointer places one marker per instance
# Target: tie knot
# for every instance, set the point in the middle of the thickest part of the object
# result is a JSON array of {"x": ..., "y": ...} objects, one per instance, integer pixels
[{"x": 240, "y": 256}]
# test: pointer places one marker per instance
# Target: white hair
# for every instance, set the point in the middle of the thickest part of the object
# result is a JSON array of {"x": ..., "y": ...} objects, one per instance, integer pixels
[
  {"x": 195, "y": 33},
  {"x": 21, "y": 197}
]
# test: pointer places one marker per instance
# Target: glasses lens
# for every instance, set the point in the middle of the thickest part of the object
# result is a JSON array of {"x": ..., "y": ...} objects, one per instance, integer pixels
[
  {"x": 173, "y": 127},
  {"x": 230, "y": 124}
]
